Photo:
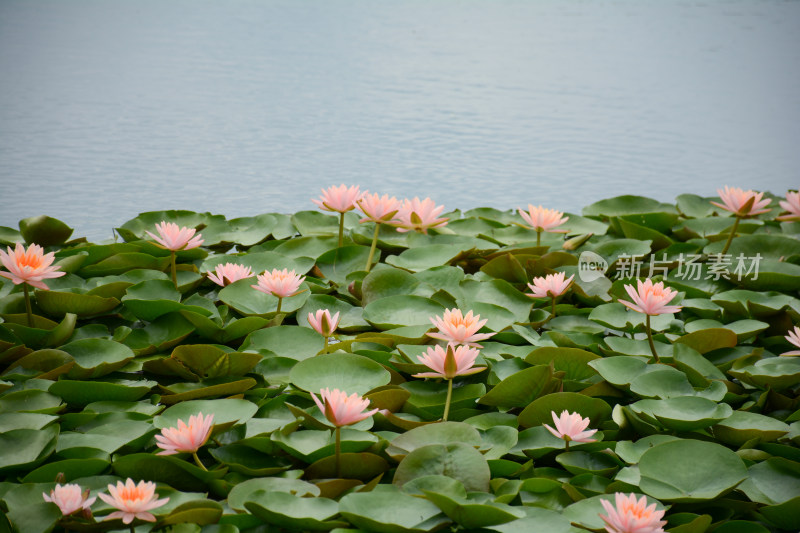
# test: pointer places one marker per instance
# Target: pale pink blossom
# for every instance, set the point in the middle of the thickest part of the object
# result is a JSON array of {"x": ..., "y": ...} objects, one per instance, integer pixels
[
  {"x": 29, "y": 266},
  {"x": 280, "y": 283},
  {"x": 323, "y": 323},
  {"x": 449, "y": 362},
  {"x": 791, "y": 205},
  {"x": 571, "y": 427},
  {"x": 459, "y": 329},
  {"x": 341, "y": 409},
  {"x": 651, "y": 298},
  {"x": 542, "y": 219},
  {"x": 379, "y": 209},
  {"x": 174, "y": 237},
  {"x": 228, "y": 273},
  {"x": 186, "y": 438},
  {"x": 132, "y": 500},
  {"x": 742, "y": 203},
  {"x": 69, "y": 498},
  {"x": 550, "y": 286},
  {"x": 340, "y": 199},
  {"x": 793, "y": 336},
  {"x": 419, "y": 215},
  {"x": 632, "y": 516}
]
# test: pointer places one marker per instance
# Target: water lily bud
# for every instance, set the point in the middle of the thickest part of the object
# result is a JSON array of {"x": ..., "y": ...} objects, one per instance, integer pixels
[{"x": 576, "y": 242}]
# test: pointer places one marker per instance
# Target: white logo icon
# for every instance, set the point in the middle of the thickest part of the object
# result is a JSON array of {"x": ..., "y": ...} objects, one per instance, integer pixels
[{"x": 591, "y": 266}]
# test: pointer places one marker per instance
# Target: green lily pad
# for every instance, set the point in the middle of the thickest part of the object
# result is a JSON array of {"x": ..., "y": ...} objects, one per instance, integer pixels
[
  {"x": 293, "y": 342},
  {"x": 743, "y": 426},
  {"x": 539, "y": 411},
  {"x": 78, "y": 392},
  {"x": 401, "y": 310},
  {"x": 293, "y": 512},
  {"x": 96, "y": 357},
  {"x": 344, "y": 371},
  {"x": 44, "y": 230},
  {"x": 388, "y": 509},
  {"x": 458, "y": 461}
]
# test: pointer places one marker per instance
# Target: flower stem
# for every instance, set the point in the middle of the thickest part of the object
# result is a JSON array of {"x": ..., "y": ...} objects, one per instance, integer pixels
[
  {"x": 133, "y": 529},
  {"x": 538, "y": 237},
  {"x": 341, "y": 229},
  {"x": 447, "y": 401},
  {"x": 730, "y": 237},
  {"x": 566, "y": 445},
  {"x": 280, "y": 301},
  {"x": 553, "y": 308},
  {"x": 174, "y": 269},
  {"x": 28, "y": 304},
  {"x": 372, "y": 248},
  {"x": 325, "y": 348},
  {"x": 199, "y": 462},
  {"x": 338, "y": 452},
  {"x": 650, "y": 339}
]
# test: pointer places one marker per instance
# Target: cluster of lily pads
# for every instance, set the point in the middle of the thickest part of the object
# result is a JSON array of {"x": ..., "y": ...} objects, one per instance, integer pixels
[{"x": 108, "y": 371}]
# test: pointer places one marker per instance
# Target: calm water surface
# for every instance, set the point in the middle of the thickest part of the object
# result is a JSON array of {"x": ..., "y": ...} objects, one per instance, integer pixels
[{"x": 109, "y": 109}]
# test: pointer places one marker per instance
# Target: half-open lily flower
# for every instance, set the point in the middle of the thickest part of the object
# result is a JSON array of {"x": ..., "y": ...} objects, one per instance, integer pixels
[
  {"x": 459, "y": 329},
  {"x": 69, "y": 498},
  {"x": 173, "y": 237},
  {"x": 29, "y": 266},
  {"x": 571, "y": 427},
  {"x": 132, "y": 500},
  {"x": 794, "y": 337},
  {"x": 449, "y": 362},
  {"x": 323, "y": 323},
  {"x": 419, "y": 215},
  {"x": 378, "y": 209},
  {"x": 741, "y": 203},
  {"x": 280, "y": 283},
  {"x": 651, "y": 298},
  {"x": 226, "y": 274},
  {"x": 550, "y": 286},
  {"x": 791, "y": 205},
  {"x": 542, "y": 219},
  {"x": 341, "y": 409},
  {"x": 340, "y": 199},
  {"x": 186, "y": 438},
  {"x": 632, "y": 516}
]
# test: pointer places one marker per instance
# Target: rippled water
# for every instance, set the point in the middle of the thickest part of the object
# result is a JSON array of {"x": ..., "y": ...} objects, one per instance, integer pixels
[{"x": 109, "y": 109}]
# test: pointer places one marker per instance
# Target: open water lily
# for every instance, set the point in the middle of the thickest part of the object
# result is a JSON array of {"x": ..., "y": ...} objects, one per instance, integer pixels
[
  {"x": 342, "y": 410},
  {"x": 552, "y": 286},
  {"x": 571, "y": 427},
  {"x": 174, "y": 238},
  {"x": 323, "y": 323},
  {"x": 743, "y": 204},
  {"x": 70, "y": 498},
  {"x": 793, "y": 336},
  {"x": 791, "y": 205},
  {"x": 419, "y": 215},
  {"x": 380, "y": 210},
  {"x": 543, "y": 219},
  {"x": 630, "y": 515},
  {"x": 280, "y": 283},
  {"x": 132, "y": 500},
  {"x": 186, "y": 438},
  {"x": 652, "y": 299},
  {"x": 448, "y": 363},
  {"x": 226, "y": 274},
  {"x": 339, "y": 199},
  {"x": 29, "y": 267},
  {"x": 457, "y": 328}
]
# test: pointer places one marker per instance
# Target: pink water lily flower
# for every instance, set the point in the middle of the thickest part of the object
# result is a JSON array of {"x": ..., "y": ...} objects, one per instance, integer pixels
[
  {"x": 791, "y": 205},
  {"x": 69, "y": 498},
  {"x": 419, "y": 215},
  {"x": 449, "y": 362},
  {"x": 794, "y": 337},
  {"x": 173, "y": 237},
  {"x": 341, "y": 409},
  {"x": 542, "y": 219},
  {"x": 280, "y": 283},
  {"x": 186, "y": 438},
  {"x": 550, "y": 286},
  {"x": 323, "y": 323},
  {"x": 459, "y": 329},
  {"x": 632, "y": 516},
  {"x": 29, "y": 266},
  {"x": 651, "y": 298},
  {"x": 132, "y": 500},
  {"x": 571, "y": 427},
  {"x": 226, "y": 274},
  {"x": 741, "y": 203},
  {"x": 378, "y": 209},
  {"x": 340, "y": 199}
]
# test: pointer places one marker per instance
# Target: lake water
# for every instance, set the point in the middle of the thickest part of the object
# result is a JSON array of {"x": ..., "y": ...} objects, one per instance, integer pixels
[{"x": 109, "y": 109}]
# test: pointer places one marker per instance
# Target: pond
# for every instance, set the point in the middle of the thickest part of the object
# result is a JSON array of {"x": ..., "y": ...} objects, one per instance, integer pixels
[{"x": 110, "y": 109}]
